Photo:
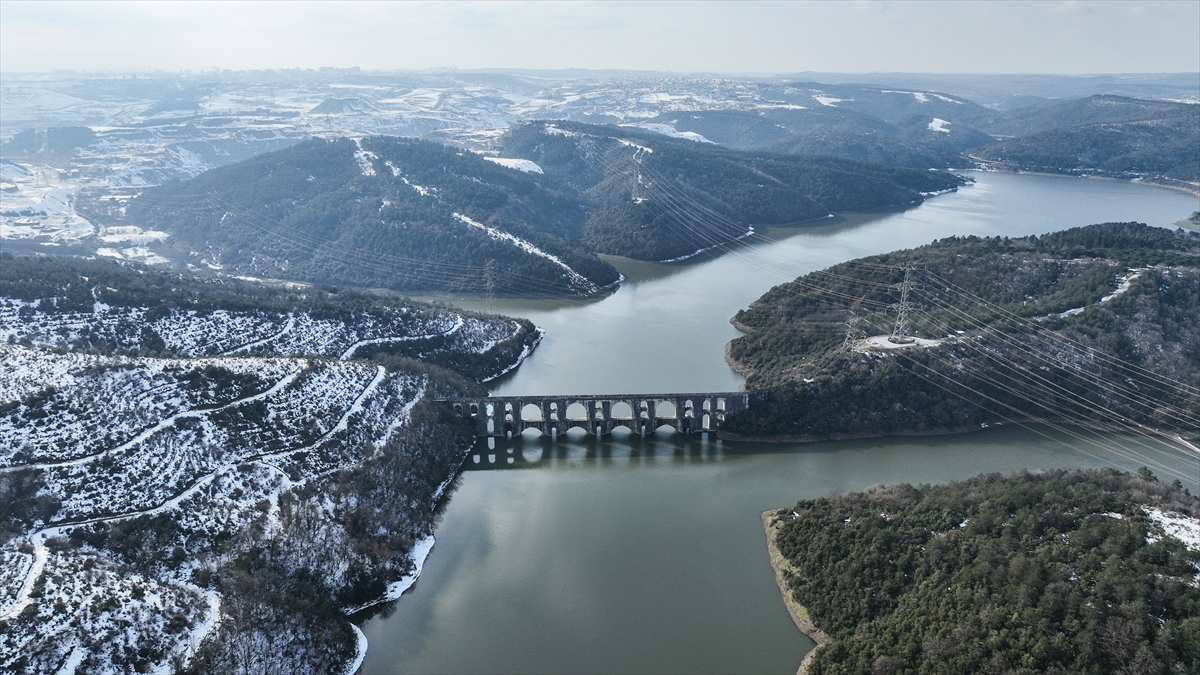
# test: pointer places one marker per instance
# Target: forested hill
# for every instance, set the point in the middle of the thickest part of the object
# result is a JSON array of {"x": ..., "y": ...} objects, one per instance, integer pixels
[
  {"x": 380, "y": 212},
  {"x": 655, "y": 197},
  {"x": 417, "y": 216},
  {"x": 1094, "y": 325},
  {"x": 1082, "y": 572},
  {"x": 1121, "y": 137},
  {"x": 1108, "y": 135}
]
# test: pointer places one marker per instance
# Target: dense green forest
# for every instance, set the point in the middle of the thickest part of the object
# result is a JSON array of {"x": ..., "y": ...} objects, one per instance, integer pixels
[
  {"x": 1092, "y": 325},
  {"x": 417, "y": 216},
  {"x": 1063, "y": 571}
]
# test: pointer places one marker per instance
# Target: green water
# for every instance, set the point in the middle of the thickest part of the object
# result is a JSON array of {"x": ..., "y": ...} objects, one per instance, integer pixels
[{"x": 626, "y": 555}]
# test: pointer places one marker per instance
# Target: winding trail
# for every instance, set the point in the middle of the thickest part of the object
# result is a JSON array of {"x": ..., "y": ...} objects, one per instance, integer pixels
[
  {"x": 38, "y": 539},
  {"x": 287, "y": 328},
  {"x": 164, "y": 424},
  {"x": 349, "y": 353}
]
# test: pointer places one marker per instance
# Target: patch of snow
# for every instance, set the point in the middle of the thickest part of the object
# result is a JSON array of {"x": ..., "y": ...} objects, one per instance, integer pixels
[
  {"x": 1124, "y": 283},
  {"x": 576, "y": 278},
  {"x": 552, "y": 130},
  {"x": 360, "y": 650},
  {"x": 882, "y": 342},
  {"x": 829, "y": 100},
  {"x": 420, "y": 551},
  {"x": 938, "y": 124},
  {"x": 947, "y": 99},
  {"x": 669, "y": 130},
  {"x": 364, "y": 157},
  {"x": 1184, "y": 528},
  {"x": 525, "y": 165},
  {"x": 641, "y": 148},
  {"x": 73, "y": 661},
  {"x": 520, "y": 359},
  {"x": 749, "y": 231},
  {"x": 920, "y": 96},
  {"x": 131, "y": 234}
]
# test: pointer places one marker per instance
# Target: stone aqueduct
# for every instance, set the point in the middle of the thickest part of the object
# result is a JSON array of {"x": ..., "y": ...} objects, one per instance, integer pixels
[{"x": 509, "y": 416}]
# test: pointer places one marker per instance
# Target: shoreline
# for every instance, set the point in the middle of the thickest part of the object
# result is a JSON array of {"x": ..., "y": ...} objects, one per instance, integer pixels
[
  {"x": 798, "y": 612},
  {"x": 735, "y": 437},
  {"x": 1180, "y": 185}
]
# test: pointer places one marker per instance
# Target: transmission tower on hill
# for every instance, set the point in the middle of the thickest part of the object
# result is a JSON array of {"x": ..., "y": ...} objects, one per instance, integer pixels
[
  {"x": 489, "y": 282},
  {"x": 899, "y": 334},
  {"x": 854, "y": 331}
]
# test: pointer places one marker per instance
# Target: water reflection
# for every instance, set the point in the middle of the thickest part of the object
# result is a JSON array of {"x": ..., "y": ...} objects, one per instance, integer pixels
[
  {"x": 1168, "y": 460},
  {"x": 538, "y": 451}
]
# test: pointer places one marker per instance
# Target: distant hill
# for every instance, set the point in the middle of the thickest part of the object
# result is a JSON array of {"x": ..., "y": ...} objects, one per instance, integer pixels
[
  {"x": 827, "y": 131},
  {"x": 54, "y": 144},
  {"x": 1133, "y": 138},
  {"x": 413, "y": 215},
  {"x": 655, "y": 197},
  {"x": 1070, "y": 113},
  {"x": 1109, "y": 135},
  {"x": 347, "y": 105}
]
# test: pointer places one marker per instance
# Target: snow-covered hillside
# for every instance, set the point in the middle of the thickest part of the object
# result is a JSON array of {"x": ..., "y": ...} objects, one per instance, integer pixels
[
  {"x": 139, "y": 483},
  {"x": 194, "y": 333}
]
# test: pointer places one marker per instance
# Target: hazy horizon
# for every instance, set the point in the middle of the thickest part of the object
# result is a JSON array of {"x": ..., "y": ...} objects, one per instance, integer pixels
[{"x": 678, "y": 38}]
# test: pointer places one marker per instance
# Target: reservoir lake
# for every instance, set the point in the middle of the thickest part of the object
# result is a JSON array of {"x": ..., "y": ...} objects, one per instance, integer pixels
[{"x": 630, "y": 555}]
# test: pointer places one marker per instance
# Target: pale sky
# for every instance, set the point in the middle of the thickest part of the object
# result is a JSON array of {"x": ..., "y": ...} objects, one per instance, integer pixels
[{"x": 724, "y": 37}]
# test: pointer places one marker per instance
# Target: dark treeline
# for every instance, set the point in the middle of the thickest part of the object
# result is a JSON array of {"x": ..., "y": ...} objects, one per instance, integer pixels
[{"x": 1057, "y": 572}]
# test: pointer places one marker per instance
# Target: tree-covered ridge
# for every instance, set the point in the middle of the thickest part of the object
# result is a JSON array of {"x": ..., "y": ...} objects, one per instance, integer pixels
[
  {"x": 1165, "y": 143},
  {"x": 418, "y": 216},
  {"x": 1106, "y": 135},
  {"x": 837, "y": 132},
  {"x": 1064, "y": 571},
  {"x": 1092, "y": 325},
  {"x": 657, "y": 198},
  {"x": 379, "y": 212}
]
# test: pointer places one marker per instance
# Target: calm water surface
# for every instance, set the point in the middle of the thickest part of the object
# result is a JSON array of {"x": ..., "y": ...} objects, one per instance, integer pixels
[{"x": 626, "y": 555}]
